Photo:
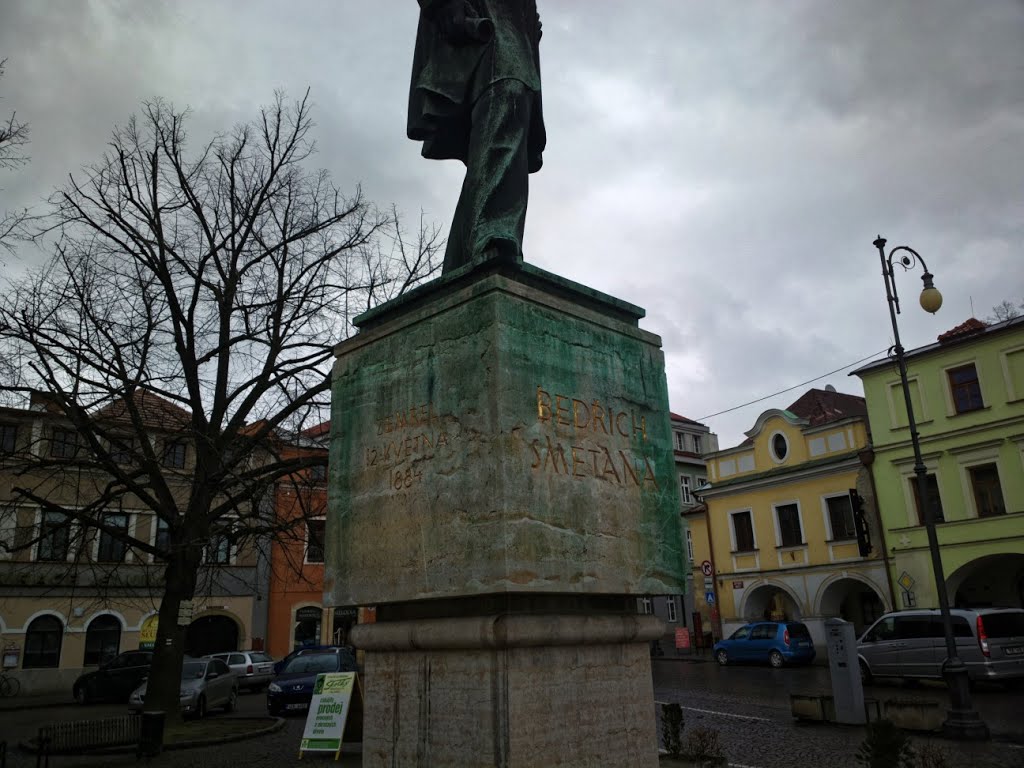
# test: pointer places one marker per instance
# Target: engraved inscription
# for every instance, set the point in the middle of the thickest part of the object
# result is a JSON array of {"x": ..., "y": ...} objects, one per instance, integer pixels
[
  {"x": 404, "y": 440},
  {"x": 594, "y": 451}
]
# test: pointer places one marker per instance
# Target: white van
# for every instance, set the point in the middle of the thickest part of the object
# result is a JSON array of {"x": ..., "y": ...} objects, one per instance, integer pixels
[{"x": 911, "y": 644}]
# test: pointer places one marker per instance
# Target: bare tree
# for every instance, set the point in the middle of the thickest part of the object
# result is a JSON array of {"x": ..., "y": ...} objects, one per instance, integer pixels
[
  {"x": 1004, "y": 310},
  {"x": 195, "y": 299},
  {"x": 13, "y": 139}
]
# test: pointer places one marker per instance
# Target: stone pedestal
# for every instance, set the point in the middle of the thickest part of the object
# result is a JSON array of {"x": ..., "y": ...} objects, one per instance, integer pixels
[
  {"x": 502, "y": 488},
  {"x": 510, "y": 690}
]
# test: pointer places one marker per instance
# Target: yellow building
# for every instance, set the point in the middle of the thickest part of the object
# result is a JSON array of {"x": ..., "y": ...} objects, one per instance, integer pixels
[{"x": 779, "y": 528}]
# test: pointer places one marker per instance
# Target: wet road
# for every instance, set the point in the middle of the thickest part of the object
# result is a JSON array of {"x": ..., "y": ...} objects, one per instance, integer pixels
[{"x": 749, "y": 705}]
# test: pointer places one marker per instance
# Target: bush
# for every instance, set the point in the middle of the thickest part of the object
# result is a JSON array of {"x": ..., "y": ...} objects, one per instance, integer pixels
[
  {"x": 672, "y": 728},
  {"x": 703, "y": 744},
  {"x": 932, "y": 756},
  {"x": 885, "y": 746}
]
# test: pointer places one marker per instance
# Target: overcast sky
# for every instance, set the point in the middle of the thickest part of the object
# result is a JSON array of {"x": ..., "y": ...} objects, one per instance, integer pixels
[{"x": 725, "y": 165}]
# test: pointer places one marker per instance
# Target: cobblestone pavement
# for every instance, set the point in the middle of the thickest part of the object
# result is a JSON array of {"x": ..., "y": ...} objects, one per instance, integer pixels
[{"x": 748, "y": 705}]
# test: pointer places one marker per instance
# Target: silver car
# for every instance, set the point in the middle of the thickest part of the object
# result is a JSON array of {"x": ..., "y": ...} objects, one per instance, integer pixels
[
  {"x": 911, "y": 644},
  {"x": 205, "y": 684},
  {"x": 254, "y": 669}
]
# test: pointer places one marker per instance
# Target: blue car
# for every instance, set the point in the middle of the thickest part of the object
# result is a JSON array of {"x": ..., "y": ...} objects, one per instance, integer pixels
[
  {"x": 776, "y": 642},
  {"x": 292, "y": 688}
]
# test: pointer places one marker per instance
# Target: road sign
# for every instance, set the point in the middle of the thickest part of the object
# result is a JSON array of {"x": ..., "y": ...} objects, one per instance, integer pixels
[
  {"x": 706, "y": 568},
  {"x": 906, "y": 581},
  {"x": 709, "y": 583},
  {"x": 709, "y": 598}
]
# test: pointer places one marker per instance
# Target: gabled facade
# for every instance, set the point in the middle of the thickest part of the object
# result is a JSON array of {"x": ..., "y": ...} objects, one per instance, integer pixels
[
  {"x": 71, "y": 598},
  {"x": 967, "y": 392},
  {"x": 780, "y": 528}
]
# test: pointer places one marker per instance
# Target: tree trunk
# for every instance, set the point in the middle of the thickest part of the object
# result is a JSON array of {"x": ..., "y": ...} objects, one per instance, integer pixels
[{"x": 162, "y": 689}]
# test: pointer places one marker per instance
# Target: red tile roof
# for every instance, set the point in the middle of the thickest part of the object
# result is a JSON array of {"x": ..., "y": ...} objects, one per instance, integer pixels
[
  {"x": 155, "y": 410},
  {"x": 317, "y": 431},
  {"x": 966, "y": 328},
  {"x": 822, "y": 406},
  {"x": 677, "y": 417}
]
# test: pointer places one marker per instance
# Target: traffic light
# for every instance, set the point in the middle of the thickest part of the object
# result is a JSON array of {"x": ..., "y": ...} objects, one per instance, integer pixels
[{"x": 860, "y": 523}]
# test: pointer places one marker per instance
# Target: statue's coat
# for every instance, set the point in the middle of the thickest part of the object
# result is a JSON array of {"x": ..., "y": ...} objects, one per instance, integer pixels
[{"x": 447, "y": 78}]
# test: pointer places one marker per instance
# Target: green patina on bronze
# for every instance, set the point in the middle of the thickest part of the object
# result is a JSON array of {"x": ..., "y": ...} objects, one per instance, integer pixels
[
  {"x": 475, "y": 96},
  {"x": 447, "y": 479}
]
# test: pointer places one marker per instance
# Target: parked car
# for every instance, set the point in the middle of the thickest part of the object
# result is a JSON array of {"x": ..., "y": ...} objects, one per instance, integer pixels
[
  {"x": 292, "y": 688},
  {"x": 254, "y": 669},
  {"x": 205, "y": 684},
  {"x": 115, "y": 680},
  {"x": 912, "y": 645},
  {"x": 777, "y": 642},
  {"x": 278, "y": 665}
]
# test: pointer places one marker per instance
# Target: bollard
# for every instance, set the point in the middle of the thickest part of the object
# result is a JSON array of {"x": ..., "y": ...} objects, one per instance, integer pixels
[{"x": 151, "y": 734}]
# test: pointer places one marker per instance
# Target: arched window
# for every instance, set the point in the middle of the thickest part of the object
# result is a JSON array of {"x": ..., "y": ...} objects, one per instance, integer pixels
[
  {"x": 102, "y": 640},
  {"x": 42, "y": 642}
]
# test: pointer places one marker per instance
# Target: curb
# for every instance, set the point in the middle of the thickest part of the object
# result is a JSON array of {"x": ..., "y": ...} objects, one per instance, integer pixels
[
  {"x": 29, "y": 704},
  {"x": 276, "y": 724}
]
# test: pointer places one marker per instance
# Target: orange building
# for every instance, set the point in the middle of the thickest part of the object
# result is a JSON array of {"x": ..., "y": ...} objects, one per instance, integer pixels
[{"x": 297, "y": 616}]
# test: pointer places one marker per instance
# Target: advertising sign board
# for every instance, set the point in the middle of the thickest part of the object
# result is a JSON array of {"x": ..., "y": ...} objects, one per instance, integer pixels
[
  {"x": 328, "y": 711},
  {"x": 147, "y": 632}
]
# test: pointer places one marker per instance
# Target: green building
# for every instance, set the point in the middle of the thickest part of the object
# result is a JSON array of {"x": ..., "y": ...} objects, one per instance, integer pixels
[{"x": 967, "y": 392}]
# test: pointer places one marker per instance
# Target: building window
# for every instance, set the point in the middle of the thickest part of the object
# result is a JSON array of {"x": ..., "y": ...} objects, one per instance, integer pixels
[
  {"x": 113, "y": 547},
  {"x": 162, "y": 540},
  {"x": 680, "y": 439},
  {"x": 218, "y": 551},
  {"x": 8, "y": 437},
  {"x": 965, "y": 388},
  {"x": 696, "y": 444},
  {"x": 670, "y": 608},
  {"x": 689, "y": 544},
  {"x": 790, "y": 534},
  {"x": 54, "y": 536},
  {"x": 743, "y": 531},
  {"x": 684, "y": 489},
  {"x": 779, "y": 446},
  {"x": 932, "y": 488},
  {"x": 646, "y": 606},
  {"x": 840, "y": 518},
  {"x": 121, "y": 450},
  {"x": 102, "y": 640},
  {"x": 63, "y": 444},
  {"x": 318, "y": 473},
  {"x": 174, "y": 455},
  {"x": 315, "y": 530},
  {"x": 42, "y": 643},
  {"x": 988, "y": 494}
]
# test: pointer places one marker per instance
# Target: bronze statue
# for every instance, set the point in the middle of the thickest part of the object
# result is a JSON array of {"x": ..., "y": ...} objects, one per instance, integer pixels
[{"x": 475, "y": 96}]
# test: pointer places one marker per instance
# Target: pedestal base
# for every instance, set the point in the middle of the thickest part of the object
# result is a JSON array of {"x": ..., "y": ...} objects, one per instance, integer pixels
[{"x": 509, "y": 691}]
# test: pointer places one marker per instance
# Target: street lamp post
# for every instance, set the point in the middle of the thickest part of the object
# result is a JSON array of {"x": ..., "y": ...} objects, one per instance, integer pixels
[{"x": 962, "y": 721}]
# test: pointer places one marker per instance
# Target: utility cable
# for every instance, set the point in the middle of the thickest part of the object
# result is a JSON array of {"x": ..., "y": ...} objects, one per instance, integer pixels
[{"x": 795, "y": 386}]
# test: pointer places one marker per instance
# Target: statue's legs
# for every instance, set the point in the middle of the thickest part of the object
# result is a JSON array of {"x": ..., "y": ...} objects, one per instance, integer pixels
[{"x": 491, "y": 214}]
